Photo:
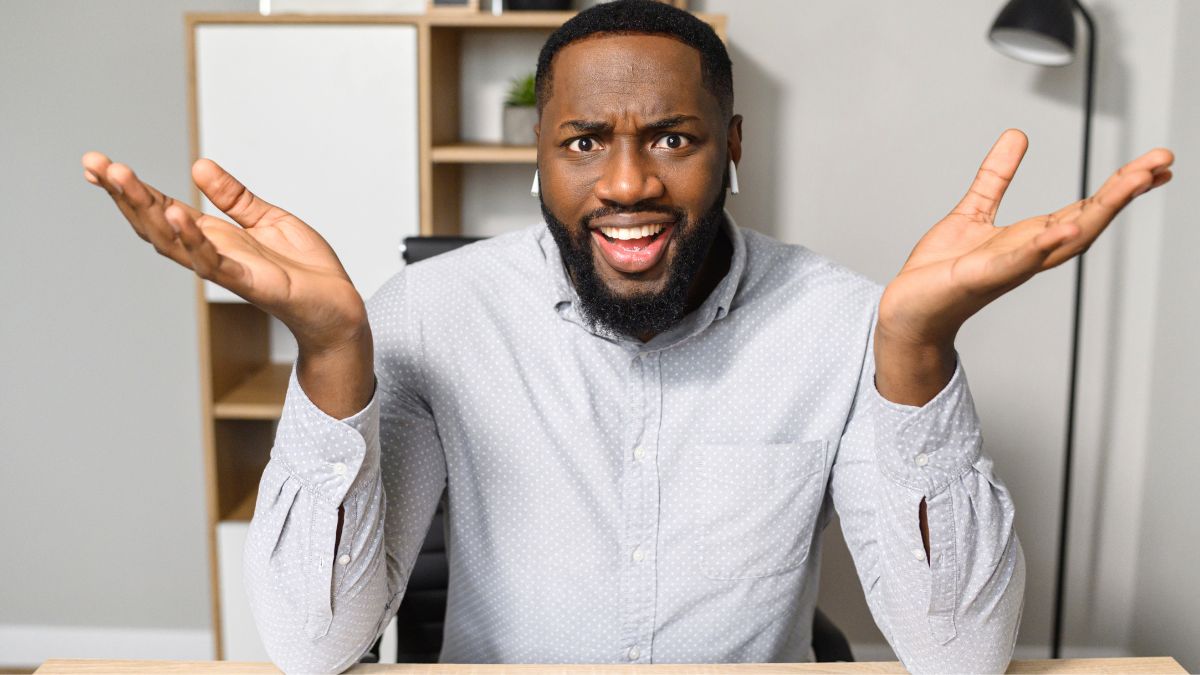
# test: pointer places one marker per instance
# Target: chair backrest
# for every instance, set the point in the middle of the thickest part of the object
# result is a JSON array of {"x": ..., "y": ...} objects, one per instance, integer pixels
[
  {"x": 421, "y": 616},
  {"x": 422, "y": 611},
  {"x": 420, "y": 248}
]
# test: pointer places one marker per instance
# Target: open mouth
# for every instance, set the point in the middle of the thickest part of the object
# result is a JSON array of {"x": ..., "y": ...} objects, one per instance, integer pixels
[
  {"x": 635, "y": 249},
  {"x": 634, "y": 235}
]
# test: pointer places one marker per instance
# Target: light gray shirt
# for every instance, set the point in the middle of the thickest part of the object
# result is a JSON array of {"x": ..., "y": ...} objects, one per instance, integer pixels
[{"x": 609, "y": 500}]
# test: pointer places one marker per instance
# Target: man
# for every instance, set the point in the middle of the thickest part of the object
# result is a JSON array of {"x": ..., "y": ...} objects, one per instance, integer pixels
[{"x": 642, "y": 416}]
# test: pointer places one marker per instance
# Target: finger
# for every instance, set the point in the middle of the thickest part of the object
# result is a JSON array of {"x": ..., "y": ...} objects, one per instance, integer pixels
[
  {"x": 1162, "y": 178},
  {"x": 231, "y": 196},
  {"x": 147, "y": 205},
  {"x": 994, "y": 176},
  {"x": 1039, "y": 253},
  {"x": 1116, "y": 193},
  {"x": 206, "y": 261},
  {"x": 95, "y": 165},
  {"x": 1154, "y": 162},
  {"x": 95, "y": 170}
]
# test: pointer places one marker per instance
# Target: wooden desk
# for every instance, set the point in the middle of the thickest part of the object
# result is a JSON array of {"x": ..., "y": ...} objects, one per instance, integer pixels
[{"x": 1157, "y": 664}]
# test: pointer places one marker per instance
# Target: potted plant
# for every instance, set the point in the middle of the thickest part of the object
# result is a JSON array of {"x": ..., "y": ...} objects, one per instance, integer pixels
[{"x": 520, "y": 111}]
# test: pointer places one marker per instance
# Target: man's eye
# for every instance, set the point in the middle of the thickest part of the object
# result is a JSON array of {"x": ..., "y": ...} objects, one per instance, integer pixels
[
  {"x": 584, "y": 144},
  {"x": 672, "y": 142}
]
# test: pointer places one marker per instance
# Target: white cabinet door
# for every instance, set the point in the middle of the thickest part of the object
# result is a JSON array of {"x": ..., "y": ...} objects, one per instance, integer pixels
[
  {"x": 239, "y": 636},
  {"x": 322, "y": 121}
]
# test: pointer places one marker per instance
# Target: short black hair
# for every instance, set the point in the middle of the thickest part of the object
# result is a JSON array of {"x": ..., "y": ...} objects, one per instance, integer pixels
[{"x": 650, "y": 17}]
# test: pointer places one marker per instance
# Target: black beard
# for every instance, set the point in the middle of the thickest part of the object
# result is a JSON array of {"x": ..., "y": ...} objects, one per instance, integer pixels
[{"x": 640, "y": 313}]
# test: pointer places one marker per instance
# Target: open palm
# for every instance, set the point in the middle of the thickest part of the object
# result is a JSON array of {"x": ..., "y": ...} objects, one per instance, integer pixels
[
  {"x": 270, "y": 257},
  {"x": 965, "y": 261}
]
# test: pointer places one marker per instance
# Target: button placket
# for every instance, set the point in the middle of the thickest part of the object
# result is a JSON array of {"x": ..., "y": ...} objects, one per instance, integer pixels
[
  {"x": 943, "y": 587},
  {"x": 640, "y": 497}
]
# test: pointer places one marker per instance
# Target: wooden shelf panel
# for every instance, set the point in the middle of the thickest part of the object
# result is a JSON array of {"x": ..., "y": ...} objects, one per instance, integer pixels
[
  {"x": 258, "y": 397},
  {"x": 243, "y": 510},
  {"x": 483, "y": 153},
  {"x": 510, "y": 20}
]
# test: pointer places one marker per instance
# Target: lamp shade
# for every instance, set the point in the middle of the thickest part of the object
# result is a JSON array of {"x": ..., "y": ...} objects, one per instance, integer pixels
[{"x": 1036, "y": 31}]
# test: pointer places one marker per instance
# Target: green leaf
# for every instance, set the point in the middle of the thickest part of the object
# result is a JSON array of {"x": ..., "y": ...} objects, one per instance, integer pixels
[{"x": 522, "y": 91}]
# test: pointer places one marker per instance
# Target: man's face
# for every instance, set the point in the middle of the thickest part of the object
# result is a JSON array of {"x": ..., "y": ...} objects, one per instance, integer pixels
[{"x": 632, "y": 154}]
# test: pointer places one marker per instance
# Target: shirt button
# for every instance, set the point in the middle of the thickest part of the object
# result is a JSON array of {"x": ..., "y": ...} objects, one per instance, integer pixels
[
  {"x": 344, "y": 560},
  {"x": 918, "y": 553},
  {"x": 638, "y": 554},
  {"x": 922, "y": 459},
  {"x": 634, "y": 653},
  {"x": 638, "y": 453},
  {"x": 339, "y": 469}
]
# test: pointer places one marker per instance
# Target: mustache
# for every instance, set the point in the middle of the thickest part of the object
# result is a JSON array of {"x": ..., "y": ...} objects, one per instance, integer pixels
[{"x": 677, "y": 214}]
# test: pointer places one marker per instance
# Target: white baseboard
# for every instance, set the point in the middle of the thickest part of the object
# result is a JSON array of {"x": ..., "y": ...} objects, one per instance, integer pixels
[
  {"x": 32, "y": 645},
  {"x": 882, "y": 652}
]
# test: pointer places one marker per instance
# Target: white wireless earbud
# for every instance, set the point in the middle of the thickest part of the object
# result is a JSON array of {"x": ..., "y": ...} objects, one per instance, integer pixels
[
  {"x": 535, "y": 190},
  {"x": 733, "y": 181}
]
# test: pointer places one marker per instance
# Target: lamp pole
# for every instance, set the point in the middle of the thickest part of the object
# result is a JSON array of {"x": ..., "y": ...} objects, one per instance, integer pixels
[
  {"x": 1060, "y": 579},
  {"x": 1043, "y": 32}
]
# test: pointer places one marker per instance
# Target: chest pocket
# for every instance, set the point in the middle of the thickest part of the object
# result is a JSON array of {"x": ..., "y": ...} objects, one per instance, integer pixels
[{"x": 759, "y": 508}]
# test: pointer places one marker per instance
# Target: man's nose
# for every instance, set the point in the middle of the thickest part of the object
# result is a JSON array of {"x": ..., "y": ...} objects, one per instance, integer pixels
[{"x": 629, "y": 178}]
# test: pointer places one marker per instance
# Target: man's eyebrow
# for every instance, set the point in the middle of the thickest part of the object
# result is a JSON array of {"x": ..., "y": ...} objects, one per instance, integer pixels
[
  {"x": 595, "y": 127},
  {"x": 669, "y": 122},
  {"x": 586, "y": 126}
]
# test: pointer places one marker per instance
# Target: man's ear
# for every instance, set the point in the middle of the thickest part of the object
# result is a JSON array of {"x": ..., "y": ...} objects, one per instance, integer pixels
[{"x": 735, "y": 139}]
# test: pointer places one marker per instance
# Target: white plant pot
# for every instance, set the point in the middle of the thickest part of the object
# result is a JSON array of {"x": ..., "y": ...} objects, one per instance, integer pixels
[{"x": 518, "y": 125}]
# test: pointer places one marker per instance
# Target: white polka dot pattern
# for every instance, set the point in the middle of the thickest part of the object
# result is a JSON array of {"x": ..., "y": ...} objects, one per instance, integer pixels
[{"x": 614, "y": 501}]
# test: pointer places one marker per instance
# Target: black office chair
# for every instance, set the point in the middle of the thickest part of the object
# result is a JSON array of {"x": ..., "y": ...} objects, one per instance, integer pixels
[{"x": 422, "y": 611}]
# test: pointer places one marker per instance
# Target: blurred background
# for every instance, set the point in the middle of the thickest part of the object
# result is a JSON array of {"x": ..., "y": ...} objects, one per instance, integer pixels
[{"x": 864, "y": 123}]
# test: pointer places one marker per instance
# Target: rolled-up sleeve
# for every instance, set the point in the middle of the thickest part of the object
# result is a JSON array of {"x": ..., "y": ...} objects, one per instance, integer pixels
[
  {"x": 958, "y": 609},
  {"x": 318, "y": 609}
]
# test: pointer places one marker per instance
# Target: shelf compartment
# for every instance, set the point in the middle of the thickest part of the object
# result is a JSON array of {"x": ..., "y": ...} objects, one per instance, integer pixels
[
  {"x": 484, "y": 153},
  {"x": 243, "y": 510},
  {"x": 243, "y": 448},
  {"x": 258, "y": 397}
]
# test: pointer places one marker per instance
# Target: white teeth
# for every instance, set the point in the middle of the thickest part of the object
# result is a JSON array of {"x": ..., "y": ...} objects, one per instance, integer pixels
[{"x": 633, "y": 232}]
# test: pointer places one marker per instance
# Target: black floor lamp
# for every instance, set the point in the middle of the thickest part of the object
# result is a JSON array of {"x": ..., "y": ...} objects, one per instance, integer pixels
[{"x": 1042, "y": 32}]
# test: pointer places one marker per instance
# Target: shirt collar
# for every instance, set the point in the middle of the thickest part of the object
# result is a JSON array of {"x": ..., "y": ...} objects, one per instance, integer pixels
[{"x": 715, "y": 306}]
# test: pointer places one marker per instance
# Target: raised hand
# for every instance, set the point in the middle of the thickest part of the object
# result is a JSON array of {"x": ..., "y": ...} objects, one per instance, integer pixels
[
  {"x": 965, "y": 262},
  {"x": 270, "y": 257}
]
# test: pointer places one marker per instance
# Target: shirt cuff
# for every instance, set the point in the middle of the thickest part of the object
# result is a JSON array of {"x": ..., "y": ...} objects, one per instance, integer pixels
[
  {"x": 927, "y": 447},
  {"x": 326, "y": 454}
]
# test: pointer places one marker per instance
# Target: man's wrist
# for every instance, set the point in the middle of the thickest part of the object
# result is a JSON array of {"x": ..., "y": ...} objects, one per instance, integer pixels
[
  {"x": 340, "y": 380},
  {"x": 912, "y": 373}
]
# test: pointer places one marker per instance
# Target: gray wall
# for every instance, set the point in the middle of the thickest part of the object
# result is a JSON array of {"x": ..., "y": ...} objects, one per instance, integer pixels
[
  {"x": 102, "y": 481},
  {"x": 864, "y": 124},
  {"x": 1167, "y": 618}
]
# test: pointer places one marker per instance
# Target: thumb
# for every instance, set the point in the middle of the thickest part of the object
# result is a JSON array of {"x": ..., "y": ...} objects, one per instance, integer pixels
[{"x": 231, "y": 196}]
